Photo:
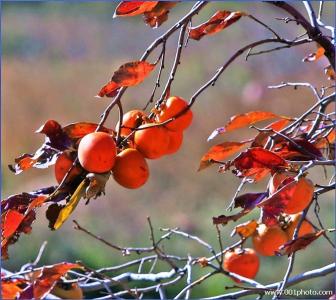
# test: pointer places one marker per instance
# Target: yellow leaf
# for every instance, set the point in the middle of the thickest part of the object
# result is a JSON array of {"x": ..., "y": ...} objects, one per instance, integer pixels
[{"x": 71, "y": 205}]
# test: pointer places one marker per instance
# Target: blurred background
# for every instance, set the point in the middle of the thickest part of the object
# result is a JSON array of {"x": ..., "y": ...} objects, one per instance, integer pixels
[{"x": 55, "y": 58}]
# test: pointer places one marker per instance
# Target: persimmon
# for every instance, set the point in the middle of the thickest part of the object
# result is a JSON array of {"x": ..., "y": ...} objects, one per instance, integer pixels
[
  {"x": 244, "y": 262},
  {"x": 266, "y": 240},
  {"x": 172, "y": 107},
  {"x": 301, "y": 197},
  {"x": 63, "y": 165},
  {"x": 305, "y": 228},
  {"x": 131, "y": 120},
  {"x": 67, "y": 291},
  {"x": 152, "y": 141},
  {"x": 175, "y": 141},
  {"x": 130, "y": 169},
  {"x": 97, "y": 152}
]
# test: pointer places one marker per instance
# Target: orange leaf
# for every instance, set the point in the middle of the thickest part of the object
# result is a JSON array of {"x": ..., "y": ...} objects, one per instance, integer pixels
[
  {"x": 129, "y": 74},
  {"x": 315, "y": 56},
  {"x": 220, "y": 152},
  {"x": 37, "y": 202},
  {"x": 219, "y": 21},
  {"x": 11, "y": 288},
  {"x": 246, "y": 229},
  {"x": 243, "y": 120},
  {"x": 11, "y": 223},
  {"x": 47, "y": 279},
  {"x": 132, "y": 73},
  {"x": 159, "y": 14},
  {"x": 261, "y": 138},
  {"x": 133, "y": 8},
  {"x": 299, "y": 243}
]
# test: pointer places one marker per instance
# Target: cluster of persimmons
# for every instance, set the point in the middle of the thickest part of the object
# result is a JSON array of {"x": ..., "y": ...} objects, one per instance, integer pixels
[
  {"x": 141, "y": 138},
  {"x": 266, "y": 240}
]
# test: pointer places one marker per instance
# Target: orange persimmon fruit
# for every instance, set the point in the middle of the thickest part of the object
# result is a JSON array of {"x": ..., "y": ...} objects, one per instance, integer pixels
[
  {"x": 97, "y": 152},
  {"x": 173, "y": 107},
  {"x": 244, "y": 262},
  {"x": 63, "y": 165},
  {"x": 131, "y": 120},
  {"x": 267, "y": 240},
  {"x": 130, "y": 169},
  {"x": 151, "y": 140}
]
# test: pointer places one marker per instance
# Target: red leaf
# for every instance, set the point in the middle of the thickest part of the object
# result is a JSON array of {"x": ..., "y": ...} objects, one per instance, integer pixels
[
  {"x": 129, "y": 74},
  {"x": 219, "y": 21},
  {"x": 301, "y": 150},
  {"x": 159, "y": 14},
  {"x": 10, "y": 288},
  {"x": 12, "y": 221},
  {"x": 256, "y": 162},
  {"x": 261, "y": 138},
  {"x": 133, "y": 8},
  {"x": 80, "y": 129},
  {"x": 47, "y": 279},
  {"x": 132, "y": 73},
  {"x": 244, "y": 120},
  {"x": 314, "y": 56},
  {"x": 299, "y": 243},
  {"x": 220, "y": 152}
]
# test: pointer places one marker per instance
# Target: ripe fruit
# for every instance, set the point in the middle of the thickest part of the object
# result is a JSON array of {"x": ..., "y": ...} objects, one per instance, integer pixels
[
  {"x": 68, "y": 291},
  {"x": 97, "y": 152},
  {"x": 63, "y": 165},
  {"x": 130, "y": 169},
  {"x": 267, "y": 240},
  {"x": 152, "y": 142},
  {"x": 175, "y": 141},
  {"x": 305, "y": 228},
  {"x": 173, "y": 107},
  {"x": 244, "y": 262},
  {"x": 131, "y": 119},
  {"x": 301, "y": 197}
]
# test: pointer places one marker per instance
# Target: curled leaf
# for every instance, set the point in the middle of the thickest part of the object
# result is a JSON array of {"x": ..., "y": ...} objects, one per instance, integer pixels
[
  {"x": 203, "y": 262},
  {"x": 299, "y": 243},
  {"x": 96, "y": 185},
  {"x": 246, "y": 229},
  {"x": 244, "y": 120},
  {"x": 222, "y": 219},
  {"x": 159, "y": 14},
  {"x": 133, "y": 8},
  {"x": 220, "y": 152},
  {"x": 256, "y": 162},
  {"x": 219, "y": 21}
]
